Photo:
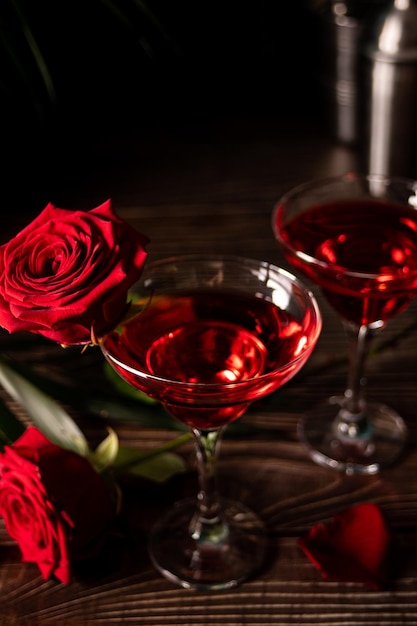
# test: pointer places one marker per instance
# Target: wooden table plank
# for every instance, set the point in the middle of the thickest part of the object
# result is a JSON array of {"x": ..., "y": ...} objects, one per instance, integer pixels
[{"x": 217, "y": 195}]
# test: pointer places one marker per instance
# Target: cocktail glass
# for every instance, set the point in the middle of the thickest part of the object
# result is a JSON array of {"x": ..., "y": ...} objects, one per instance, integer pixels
[
  {"x": 356, "y": 238},
  {"x": 212, "y": 335}
]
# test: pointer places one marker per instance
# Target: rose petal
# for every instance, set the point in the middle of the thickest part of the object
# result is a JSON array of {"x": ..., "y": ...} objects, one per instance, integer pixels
[{"x": 352, "y": 547}]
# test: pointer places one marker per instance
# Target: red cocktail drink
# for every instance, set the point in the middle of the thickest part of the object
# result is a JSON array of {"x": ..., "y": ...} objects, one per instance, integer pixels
[
  {"x": 364, "y": 251},
  {"x": 356, "y": 238},
  {"x": 208, "y": 354},
  {"x": 212, "y": 334}
]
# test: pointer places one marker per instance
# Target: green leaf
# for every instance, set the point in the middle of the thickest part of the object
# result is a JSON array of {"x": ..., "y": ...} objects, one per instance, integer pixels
[
  {"x": 107, "y": 404},
  {"x": 105, "y": 453},
  {"x": 156, "y": 467},
  {"x": 160, "y": 468},
  {"x": 47, "y": 415},
  {"x": 158, "y": 464}
]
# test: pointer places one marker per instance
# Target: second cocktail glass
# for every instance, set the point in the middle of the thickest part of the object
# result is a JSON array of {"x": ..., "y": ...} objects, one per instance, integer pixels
[
  {"x": 212, "y": 335},
  {"x": 356, "y": 238}
]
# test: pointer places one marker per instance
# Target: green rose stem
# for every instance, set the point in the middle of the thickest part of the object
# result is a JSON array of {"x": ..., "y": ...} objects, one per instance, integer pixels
[{"x": 137, "y": 457}]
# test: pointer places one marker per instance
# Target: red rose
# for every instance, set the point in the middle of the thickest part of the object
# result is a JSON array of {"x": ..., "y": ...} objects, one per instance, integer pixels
[
  {"x": 69, "y": 271},
  {"x": 54, "y": 504}
]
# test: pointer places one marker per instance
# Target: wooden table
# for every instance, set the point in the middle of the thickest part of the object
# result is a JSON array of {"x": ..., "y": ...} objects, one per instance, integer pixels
[{"x": 212, "y": 188}]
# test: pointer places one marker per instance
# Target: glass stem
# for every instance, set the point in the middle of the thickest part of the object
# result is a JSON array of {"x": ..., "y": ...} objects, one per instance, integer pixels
[
  {"x": 352, "y": 421},
  {"x": 207, "y": 524},
  {"x": 359, "y": 340}
]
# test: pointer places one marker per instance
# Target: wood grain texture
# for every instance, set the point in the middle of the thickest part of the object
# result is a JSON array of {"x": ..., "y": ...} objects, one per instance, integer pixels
[{"x": 215, "y": 193}]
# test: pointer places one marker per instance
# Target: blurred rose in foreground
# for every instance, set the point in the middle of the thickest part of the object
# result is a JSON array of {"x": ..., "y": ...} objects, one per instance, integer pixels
[{"x": 54, "y": 504}]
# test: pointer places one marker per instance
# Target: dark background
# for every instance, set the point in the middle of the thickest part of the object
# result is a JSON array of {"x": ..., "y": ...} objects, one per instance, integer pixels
[{"x": 128, "y": 75}]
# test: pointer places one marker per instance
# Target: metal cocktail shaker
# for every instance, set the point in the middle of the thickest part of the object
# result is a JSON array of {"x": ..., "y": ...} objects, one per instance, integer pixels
[
  {"x": 338, "y": 25},
  {"x": 389, "y": 90}
]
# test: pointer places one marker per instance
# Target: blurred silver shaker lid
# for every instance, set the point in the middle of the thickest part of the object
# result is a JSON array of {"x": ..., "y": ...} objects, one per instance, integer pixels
[{"x": 391, "y": 34}]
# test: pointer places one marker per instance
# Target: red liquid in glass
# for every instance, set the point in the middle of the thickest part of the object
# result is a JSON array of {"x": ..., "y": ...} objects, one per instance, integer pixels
[
  {"x": 373, "y": 237},
  {"x": 217, "y": 338}
]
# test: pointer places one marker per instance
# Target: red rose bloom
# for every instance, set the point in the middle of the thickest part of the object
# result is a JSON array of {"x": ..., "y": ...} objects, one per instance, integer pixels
[
  {"x": 54, "y": 504},
  {"x": 68, "y": 272}
]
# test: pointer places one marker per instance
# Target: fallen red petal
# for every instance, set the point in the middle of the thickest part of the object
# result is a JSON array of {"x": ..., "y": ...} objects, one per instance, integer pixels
[{"x": 352, "y": 547}]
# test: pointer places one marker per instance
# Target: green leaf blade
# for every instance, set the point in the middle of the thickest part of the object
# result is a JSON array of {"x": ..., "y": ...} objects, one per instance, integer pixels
[
  {"x": 47, "y": 415},
  {"x": 156, "y": 467}
]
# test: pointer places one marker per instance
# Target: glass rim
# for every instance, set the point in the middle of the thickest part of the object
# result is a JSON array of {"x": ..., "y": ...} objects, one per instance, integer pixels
[
  {"x": 316, "y": 183},
  {"x": 308, "y": 295}
]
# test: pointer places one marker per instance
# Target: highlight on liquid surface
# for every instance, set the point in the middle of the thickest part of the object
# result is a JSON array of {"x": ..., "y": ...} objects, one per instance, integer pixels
[
  {"x": 351, "y": 237},
  {"x": 212, "y": 338},
  {"x": 207, "y": 351}
]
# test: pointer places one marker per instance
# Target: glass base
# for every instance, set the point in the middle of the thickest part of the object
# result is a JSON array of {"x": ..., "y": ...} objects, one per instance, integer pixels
[
  {"x": 378, "y": 446},
  {"x": 234, "y": 550}
]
